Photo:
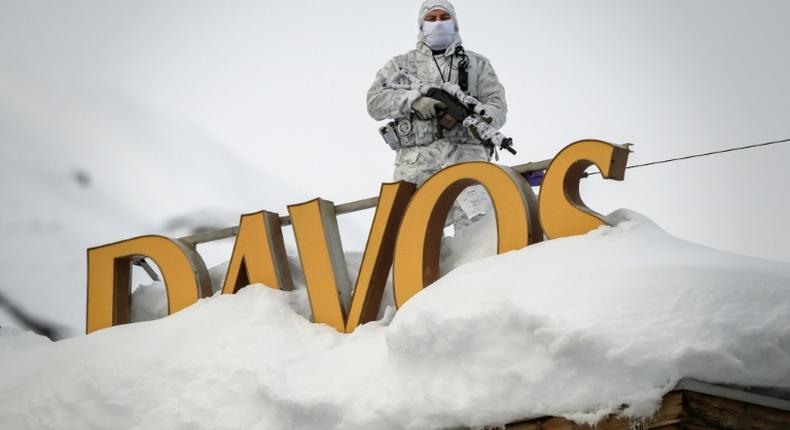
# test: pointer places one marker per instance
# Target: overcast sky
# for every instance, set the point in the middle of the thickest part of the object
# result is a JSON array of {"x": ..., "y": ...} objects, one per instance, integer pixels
[{"x": 281, "y": 86}]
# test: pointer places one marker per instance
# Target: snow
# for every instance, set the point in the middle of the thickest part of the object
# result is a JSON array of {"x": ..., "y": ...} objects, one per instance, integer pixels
[
  {"x": 135, "y": 170},
  {"x": 119, "y": 120},
  {"x": 170, "y": 109},
  {"x": 573, "y": 327},
  {"x": 149, "y": 301}
]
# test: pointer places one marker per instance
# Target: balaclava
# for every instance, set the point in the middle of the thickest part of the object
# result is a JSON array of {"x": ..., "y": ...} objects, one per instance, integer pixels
[{"x": 440, "y": 34}]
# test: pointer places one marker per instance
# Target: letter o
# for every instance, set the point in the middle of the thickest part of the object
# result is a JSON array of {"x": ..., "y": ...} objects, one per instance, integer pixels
[{"x": 416, "y": 261}]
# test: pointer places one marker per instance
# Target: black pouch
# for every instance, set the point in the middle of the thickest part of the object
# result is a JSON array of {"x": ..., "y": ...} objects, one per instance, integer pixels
[{"x": 390, "y": 135}]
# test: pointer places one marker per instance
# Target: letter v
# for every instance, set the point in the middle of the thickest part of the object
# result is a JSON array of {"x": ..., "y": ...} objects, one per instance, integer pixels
[{"x": 323, "y": 261}]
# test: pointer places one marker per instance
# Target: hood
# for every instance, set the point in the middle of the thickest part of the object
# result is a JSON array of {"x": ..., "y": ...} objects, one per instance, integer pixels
[{"x": 429, "y": 5}]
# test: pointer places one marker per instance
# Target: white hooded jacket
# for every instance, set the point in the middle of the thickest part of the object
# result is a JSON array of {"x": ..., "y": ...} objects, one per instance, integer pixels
[{"x": 385, "y": 103}]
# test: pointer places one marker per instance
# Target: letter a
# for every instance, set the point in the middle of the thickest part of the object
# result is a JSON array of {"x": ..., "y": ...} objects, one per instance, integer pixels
[{"x": 258, "y": 254}]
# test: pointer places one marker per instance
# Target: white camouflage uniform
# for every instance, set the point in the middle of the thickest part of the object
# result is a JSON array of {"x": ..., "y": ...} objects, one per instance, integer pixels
[{"x": 421, "y": 152}]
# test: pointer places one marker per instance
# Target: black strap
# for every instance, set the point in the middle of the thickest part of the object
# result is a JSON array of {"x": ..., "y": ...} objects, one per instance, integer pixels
[
  {"x": 450, "y": 74},
  {"x": 463, "y": 73},
  {"x": 463, "y": 64}
]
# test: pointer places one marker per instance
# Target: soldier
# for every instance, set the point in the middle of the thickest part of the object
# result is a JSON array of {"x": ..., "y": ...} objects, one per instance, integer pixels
[{"x": 421, "y": 150}]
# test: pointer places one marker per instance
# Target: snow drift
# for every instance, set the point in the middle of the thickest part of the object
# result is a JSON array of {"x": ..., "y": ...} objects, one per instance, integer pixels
[{"x": 574, "y": 327}]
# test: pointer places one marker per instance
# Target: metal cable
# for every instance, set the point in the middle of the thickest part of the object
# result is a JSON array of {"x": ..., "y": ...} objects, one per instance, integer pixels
[{"x": 704, "y": 154}]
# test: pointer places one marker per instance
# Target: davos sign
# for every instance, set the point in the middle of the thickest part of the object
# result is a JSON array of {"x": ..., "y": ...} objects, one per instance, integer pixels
[{"x": 405, "y": 236}]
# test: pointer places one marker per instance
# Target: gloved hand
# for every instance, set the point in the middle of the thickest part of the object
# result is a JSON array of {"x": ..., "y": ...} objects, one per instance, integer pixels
[
  {"x": 475, "y": 132},
  {"x": 452, "y": 88},
  {"x": 427, "y": 107}
]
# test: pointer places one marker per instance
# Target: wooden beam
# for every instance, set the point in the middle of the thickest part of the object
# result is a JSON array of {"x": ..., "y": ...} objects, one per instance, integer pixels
[
  {"x": 345, "y": 208},
  {"x": 667, "y": 417},
  {"x": 691, "y": 405}
]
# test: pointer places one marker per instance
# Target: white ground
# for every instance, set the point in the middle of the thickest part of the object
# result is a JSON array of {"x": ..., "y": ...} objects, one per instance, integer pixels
[{"x": 573, "y": 327}]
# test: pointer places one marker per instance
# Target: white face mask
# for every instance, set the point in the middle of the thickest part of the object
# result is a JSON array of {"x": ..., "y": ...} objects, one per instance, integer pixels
[{"x": 438, "y": 34}]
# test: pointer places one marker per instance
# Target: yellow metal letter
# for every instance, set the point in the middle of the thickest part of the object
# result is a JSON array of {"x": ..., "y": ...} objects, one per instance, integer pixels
[
  {"x": 416, "y": 262},
  {"x": 323, "y": 262},
  {"x": 258, "y": 254},
  {"x": 109, "y": 277},
  {"x": 562, "y": 211},
  {"x": 377, "y": 260},
  {"x": 321, "y": 259}
]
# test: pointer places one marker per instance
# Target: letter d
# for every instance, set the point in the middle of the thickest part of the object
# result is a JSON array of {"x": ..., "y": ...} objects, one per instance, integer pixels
[{"x": 109, "y": 277}]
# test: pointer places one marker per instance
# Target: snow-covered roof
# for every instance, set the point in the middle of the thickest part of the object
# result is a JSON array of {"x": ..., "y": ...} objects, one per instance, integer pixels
[{"x": 573, "y": 327}]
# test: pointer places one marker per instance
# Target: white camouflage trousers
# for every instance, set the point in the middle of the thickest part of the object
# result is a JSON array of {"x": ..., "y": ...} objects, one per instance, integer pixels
[{"x": 417, "y": 163}]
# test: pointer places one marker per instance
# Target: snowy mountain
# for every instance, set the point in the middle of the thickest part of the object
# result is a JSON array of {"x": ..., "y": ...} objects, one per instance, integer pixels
[{"x": 82, "y": 167}]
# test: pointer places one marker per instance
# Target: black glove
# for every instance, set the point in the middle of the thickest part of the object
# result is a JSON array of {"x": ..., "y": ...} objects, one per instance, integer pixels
[{"x": 427, "y": 107}]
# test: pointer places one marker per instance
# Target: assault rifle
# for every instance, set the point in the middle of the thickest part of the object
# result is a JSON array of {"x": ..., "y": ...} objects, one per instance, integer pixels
[{"x": 459, "y": 108}]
